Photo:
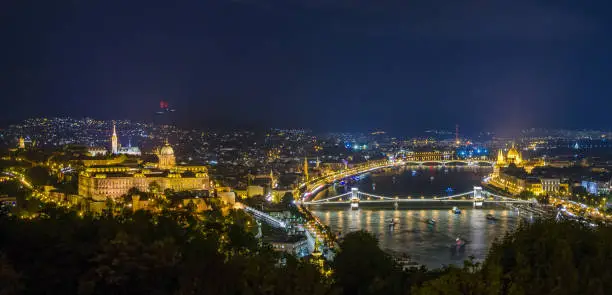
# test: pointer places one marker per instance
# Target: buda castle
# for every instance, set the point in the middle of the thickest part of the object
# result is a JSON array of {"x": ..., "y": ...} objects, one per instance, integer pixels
[{"x": 115, "y": 180}]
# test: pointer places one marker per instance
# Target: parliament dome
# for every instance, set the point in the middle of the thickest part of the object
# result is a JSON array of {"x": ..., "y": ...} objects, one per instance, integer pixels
[{"x": 512, "y": 153}]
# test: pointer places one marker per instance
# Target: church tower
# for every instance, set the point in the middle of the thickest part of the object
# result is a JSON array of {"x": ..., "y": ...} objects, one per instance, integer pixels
[
  {"x": 305, "y": 169},
  {"x": 501, "y": 161},
  {"x": 114, "y": 141},
  {"x": 500, "y": 157},
  {"x": 21, "y": 142}
]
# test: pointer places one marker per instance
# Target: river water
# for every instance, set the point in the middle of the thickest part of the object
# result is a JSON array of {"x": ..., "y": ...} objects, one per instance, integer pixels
[{"x": 412, "y": 235}]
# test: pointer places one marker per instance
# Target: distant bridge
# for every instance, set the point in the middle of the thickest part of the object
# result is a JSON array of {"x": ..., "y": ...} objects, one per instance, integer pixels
[
  {"x": 262, "y": 216},
  {"x": 477, "y": 197},
  {"x": 312, "y": 186},
  {"x": 447, "y": 162}
]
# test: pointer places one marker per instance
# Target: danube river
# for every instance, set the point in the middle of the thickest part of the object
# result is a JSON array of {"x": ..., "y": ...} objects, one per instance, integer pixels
[{"x": 412, "y": 235}]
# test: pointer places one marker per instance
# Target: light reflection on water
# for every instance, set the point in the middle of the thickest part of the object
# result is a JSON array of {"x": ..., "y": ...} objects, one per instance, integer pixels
[{"x": 426, "y": 244}]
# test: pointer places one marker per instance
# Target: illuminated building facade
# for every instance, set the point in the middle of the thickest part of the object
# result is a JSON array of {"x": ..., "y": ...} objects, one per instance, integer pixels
[
  {"x": 114, "y": 181},
  {"x": 511, "y": 172},
  {"x": 429, "y": 155},
  {"x": 129, "y": 150},
  {"x": 96, "y": 151},
  {"x": 551, "y": 185}
]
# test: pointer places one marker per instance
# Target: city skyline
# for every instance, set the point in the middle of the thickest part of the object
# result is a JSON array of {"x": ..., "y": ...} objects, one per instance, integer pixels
[
  {"x": 305, "y": 147},
  {"x": 323, "y": 65}
]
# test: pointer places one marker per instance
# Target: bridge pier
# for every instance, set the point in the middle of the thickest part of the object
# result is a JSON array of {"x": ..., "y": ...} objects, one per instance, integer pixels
[
  {"x": 354, "y": 193},
  {"x": 478, "y": 199},
  {"x": 354, "y": 198},
  {"x": 395, "y": 205}
]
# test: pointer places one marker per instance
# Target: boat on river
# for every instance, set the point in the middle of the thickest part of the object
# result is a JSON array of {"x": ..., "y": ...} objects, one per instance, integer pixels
[
  {"x": 458, "y": 246},
  {"x": 491, "y": 217},
  {"x": 456, "y": 210}
]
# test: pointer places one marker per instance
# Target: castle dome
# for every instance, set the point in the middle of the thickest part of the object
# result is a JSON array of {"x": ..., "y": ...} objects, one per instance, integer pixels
[{"x": 166, "y": 150}]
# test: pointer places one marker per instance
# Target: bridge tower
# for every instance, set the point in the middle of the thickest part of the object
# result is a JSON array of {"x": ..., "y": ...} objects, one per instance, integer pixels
[
  {"x": 478, "y": 198},
  {"x": 354, "y": 198}
]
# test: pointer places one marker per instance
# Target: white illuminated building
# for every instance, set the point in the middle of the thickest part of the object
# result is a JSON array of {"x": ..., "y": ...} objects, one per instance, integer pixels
[{"x": 117, "y": 149}]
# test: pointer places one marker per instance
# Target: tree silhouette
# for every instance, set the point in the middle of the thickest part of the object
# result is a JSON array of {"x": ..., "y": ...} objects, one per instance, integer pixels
[
  {"x": 361, "y": 267},
  {"x": 39, "y": 176}
]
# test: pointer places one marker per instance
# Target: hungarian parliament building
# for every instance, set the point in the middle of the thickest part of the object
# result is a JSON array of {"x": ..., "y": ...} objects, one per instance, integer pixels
[{"x": 115, "y": 179}]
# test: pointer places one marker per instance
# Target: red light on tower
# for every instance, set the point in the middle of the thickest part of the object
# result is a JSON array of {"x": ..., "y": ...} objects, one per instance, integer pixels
[{"x": 163, "y": 105}]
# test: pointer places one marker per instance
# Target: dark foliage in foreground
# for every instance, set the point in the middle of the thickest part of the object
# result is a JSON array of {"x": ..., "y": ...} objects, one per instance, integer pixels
[
  {"x": 542, "y": 258},
  {"x": 62, "y": 253},
  {"x": 176, "y": 253}
]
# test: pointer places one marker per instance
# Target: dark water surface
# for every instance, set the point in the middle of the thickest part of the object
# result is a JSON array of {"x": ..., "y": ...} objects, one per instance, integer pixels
[{"x": 424, "y": 243}]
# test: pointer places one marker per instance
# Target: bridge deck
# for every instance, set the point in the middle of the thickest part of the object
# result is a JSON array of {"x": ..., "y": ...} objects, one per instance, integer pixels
[
  {"x": 265, "y": 217},
  {"x": 413, "y": 201}
]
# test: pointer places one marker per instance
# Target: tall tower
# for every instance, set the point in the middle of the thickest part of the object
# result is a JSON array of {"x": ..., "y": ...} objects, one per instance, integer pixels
[
  {"x": 114, "y": 141},
  {"x": 305, "y": 168},
  {"x": 21, "y": 142},
  {"x": 457, "y": 134},
  {"x": 272, "y": 180}
]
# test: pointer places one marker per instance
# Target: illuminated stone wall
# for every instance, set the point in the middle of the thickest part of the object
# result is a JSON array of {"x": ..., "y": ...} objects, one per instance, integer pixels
[{"x": 99, "y": 187}]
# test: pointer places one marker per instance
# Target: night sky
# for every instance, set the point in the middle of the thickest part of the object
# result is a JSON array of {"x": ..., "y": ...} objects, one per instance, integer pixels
[{"x": 333, "y": 65}]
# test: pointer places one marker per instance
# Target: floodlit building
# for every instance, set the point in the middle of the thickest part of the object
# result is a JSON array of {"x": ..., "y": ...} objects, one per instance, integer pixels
[
  {"x": 95, "y": 151},
  {"x": 114, "y": 181},
  {"x": 511, "y": 172}
]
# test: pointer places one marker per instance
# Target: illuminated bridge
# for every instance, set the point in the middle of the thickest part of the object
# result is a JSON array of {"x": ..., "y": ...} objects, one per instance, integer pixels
[
  {"x": 477, "y": 197},
  {"x": 447, "y": 162},
  {"x": 262, "y": 216},
  {"x": 313, "y": 185}
]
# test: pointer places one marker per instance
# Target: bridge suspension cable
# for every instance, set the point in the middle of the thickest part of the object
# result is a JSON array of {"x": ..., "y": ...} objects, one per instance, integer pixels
[
  {"x": 455, "y": 196},
  {"x": 375, "y": 196},
  {"x": 330, "y": 198}
]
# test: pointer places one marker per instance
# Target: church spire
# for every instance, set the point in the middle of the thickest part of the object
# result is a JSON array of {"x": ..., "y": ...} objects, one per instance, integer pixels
[
  {"x": 114, "y": 141},
  {"x": 500, "y": 157}
]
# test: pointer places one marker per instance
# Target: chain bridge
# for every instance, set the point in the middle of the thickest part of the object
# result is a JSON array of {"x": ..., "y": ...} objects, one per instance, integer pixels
[{"x": 477, "y": 197}]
